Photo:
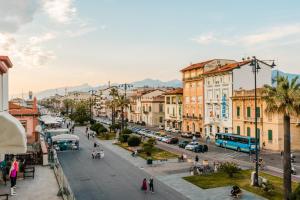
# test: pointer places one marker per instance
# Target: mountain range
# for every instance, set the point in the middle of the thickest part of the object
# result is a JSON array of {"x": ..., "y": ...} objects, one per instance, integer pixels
[{"x": 86, "y": 87}]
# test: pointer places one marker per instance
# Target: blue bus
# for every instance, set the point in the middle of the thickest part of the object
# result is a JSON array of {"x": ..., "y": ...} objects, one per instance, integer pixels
[{"x": 236, "y": 142}]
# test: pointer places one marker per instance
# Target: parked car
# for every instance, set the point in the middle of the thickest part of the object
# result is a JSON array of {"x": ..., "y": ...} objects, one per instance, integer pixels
[
  {"x": 191, "y": 146},
  {"x": 161, "y": 127},
  {"x": 172, "y": 140},
  {"x": 165, "y": 138},
  {"x": 168, "y": 129},
  {"x": 186, "y": 135},
  {"x": 175, "y": 130},
  {"x": 183, "y": 143}
]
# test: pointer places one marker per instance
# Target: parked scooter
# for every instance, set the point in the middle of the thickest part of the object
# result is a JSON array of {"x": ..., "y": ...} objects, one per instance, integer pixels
[
  {"x": 293, "y": 158},
  {"x": 293, "y": 170}
]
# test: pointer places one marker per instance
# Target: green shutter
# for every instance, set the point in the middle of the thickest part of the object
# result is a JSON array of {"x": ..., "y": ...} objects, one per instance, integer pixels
[
  {"x": 248, "y": 112},
  {"x": 248, "y": 131},
  {"x": 238, "y": 130},
  {"x": 270, "y": 135},
  {"x": 257, "y": 111},
  {"x": 238, "y": 111},
  {"x": 258, "y": 133}
]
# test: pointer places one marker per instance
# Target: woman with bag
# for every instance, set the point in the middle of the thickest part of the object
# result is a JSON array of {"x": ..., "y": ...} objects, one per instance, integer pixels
[
  {"x": 13, "y": 176},
  {"x": 144, "y": 185}
]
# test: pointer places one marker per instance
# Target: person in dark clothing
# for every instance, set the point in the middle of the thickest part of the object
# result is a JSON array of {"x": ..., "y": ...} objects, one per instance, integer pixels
[
  {"x": 151, "y": 185},
  {"x": 144, "y": 185},
  {"x": 196, "y": 158},
  {"x": 3, "y": 167}
]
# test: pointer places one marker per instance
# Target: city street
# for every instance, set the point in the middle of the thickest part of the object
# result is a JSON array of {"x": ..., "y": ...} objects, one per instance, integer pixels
[{"x": 108, "y": 178}]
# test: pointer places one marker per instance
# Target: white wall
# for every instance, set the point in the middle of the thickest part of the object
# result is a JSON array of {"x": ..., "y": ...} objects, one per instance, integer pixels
[
  {"x": 4, "y": 92},
  {"x": 243, "y": 77}
]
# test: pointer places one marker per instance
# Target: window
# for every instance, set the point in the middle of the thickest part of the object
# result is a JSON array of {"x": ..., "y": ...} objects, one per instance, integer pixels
[
  {"x": 168, "y": 110},
  {"x": 238, "y": 130},
  {"x": 270, "y": 135},
  {"x": 24, "y": 124},
  {"x": 226, "y": 130},
  {"x": 160, "y": 119},
  {"x": 168, "y": 100},
  {"x": 238, "y": 111},
  {"x": 161, "y": 107},
  {"x": 149, "y": 108},
  {"x": 248, "y": 112},
  {"x": 258, "y": 112},
  {"x": 173, "y": 111},
  {"x": 248, "y": 131},
  {"x": 258, "y": 133}
]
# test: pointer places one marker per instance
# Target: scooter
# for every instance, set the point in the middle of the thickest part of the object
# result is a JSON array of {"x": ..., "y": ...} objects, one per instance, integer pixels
[
  {"x": 293, "y": 170},
  {"x": 293, "y": 158}
]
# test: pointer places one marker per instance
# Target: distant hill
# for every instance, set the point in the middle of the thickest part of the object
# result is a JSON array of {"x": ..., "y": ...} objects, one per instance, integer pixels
[
  {"x": 276, "y": 73},
  {"x": 86, "y": 87}
]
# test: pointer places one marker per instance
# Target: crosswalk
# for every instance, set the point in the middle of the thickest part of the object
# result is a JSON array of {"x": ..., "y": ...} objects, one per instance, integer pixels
[{"x": 225, "y": 156}]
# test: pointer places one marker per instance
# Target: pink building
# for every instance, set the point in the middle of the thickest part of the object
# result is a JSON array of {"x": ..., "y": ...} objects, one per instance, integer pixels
[{"x": 28, "y": 116}]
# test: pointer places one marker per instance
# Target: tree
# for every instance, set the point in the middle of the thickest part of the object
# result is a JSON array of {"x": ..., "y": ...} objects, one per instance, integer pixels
[
  {"x": 148, "y": 146},
  {"x": 284, "y": 99},
  {"x": 134, "y": 141},
  {"x": 229, "y": 168},
  {"x": 113, "y": 103},
  {"x": 81, "y": 113},
  {"x": 68, "y": 106},
  {"x": 122, "y": 102}
]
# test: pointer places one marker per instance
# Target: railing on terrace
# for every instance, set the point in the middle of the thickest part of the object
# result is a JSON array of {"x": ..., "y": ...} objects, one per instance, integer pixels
[{"x": 64, "y": 187}]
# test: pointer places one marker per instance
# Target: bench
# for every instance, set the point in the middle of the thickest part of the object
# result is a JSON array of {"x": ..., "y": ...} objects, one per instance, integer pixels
[{"x": 4, "y": 192}]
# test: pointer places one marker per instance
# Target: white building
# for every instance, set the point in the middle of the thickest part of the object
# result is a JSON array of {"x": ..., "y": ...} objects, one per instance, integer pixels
[
  {"x": 151, "y": 106},
  {"x": 219, "y": 84},
  {"x": 12, "y": 133},
  {"x": 173, "y": 108}
]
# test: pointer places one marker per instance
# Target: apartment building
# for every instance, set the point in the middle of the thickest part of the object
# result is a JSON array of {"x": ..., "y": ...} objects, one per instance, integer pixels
[
  {"x": 13, "y": 136},
  {"x": 152, "y": 107},
  {"x": 193, "y": 94},
  {"x": 269, "y": 126},
  {"x": 173, "y": 108}
]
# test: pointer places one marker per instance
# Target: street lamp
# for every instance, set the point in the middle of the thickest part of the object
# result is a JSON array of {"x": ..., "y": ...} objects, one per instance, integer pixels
[
  {"x": 255, "y": 68},
  {"x": 125, "y": 86}
]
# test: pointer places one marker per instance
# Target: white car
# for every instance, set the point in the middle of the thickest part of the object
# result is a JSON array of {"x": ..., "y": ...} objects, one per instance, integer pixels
[
  {"x": 168, "y": 129},
  {"x": 164, "y": 139},
  {"x": 175, "y": 130},
  {"x": 191, "y": 145}
]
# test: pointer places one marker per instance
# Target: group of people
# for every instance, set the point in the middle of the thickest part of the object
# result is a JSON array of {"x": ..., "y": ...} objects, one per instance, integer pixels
[
  {"x": 71, "y": 127},
  {"x": 89, "y": 134},
  {"x": 145, "y": 185},
  {"x": 12, "y": 171}
]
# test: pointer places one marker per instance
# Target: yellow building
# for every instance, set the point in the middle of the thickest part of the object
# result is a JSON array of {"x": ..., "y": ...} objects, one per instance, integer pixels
[
  {"x": 269, "y": 126},
  {"x": 193, "y": 93}
]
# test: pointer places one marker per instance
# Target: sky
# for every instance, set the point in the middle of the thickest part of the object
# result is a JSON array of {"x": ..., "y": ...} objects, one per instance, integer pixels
[{"x": 61, "y": 43}]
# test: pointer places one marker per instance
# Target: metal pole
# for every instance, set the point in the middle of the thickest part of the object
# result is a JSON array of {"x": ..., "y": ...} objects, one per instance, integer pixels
[{"x": 255, "y": 121}]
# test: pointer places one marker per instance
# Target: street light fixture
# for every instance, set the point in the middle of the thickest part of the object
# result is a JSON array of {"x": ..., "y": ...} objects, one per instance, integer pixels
[
  {"x": 125, "y": 86},
  {"x": 255, "y": 68}
]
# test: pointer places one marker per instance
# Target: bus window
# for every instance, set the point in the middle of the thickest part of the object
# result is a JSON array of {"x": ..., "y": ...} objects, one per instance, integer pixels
[{"x": 252, "y": 140}]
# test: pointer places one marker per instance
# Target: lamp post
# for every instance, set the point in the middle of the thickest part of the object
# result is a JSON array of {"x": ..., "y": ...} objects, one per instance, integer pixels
[
  {"x": 255, "y": 68},
  {"x": 125, "y": 86}
]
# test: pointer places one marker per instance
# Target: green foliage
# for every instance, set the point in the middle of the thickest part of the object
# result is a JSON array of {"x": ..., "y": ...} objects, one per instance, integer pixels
[
  {"x": 115, "y": 126},
  {"x": 134, "y": 141},
  {"x": 148, "y": 146},
  {"x": 102, "y": 129},
  {"x": 296, "y": 194},
  {"x": 268, "y": 187},
  {"x": 95, "y": 127},
  {"x": 81, "y": 114},
  {"x": 126, "y": 131},
  {"x": 229, "y": 168},
  {"x": 124, "y": 137}
]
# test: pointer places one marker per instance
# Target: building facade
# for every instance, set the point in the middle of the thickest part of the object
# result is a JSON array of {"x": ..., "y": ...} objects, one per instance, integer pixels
[
  {"x": 269, "y": 127},
  {"x": 28, "y": 117},
  {"x": 193, "y": 94},
  {"x": 152, "y": 108},
  {"x": 173, "y": 108}
]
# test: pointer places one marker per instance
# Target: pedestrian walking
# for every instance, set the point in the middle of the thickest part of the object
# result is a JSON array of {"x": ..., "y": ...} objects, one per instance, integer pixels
[
  {"x": 13, "y": 176},
  {"x": 151, "y": 184},
  {"x": 196, "y": 158},
  {"x": 87, "y": 129},
  {"x": 144, "y": 185},
  {"x": 3, "y": 168},
  {"x": 88, "y": 136}
]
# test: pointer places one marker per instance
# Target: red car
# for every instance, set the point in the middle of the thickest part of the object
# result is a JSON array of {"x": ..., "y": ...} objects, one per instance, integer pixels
[{"x": 172, "y": 140}]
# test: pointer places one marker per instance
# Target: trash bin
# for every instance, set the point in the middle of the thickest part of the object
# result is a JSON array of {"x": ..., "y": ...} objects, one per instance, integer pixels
[{"x": 149, "y": 161}]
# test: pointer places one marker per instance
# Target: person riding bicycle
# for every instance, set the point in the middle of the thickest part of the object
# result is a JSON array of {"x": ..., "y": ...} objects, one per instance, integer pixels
[{"x": 236, "y": 191}]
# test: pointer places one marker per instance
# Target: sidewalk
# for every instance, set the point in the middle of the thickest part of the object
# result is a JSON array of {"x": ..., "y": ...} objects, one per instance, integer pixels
[
  {"x": 42, "y": 187},
  {"x": 174, "y": 180}
]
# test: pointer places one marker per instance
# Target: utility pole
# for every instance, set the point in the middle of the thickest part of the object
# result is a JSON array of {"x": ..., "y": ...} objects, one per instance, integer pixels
[{"x": 125, "y": 86}]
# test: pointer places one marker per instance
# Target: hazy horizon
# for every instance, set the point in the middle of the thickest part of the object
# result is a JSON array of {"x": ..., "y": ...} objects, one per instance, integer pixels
[{"x": 61, "y": 43}]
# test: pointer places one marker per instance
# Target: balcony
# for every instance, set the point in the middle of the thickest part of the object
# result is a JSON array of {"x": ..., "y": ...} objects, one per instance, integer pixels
[
  {"x": 192, "y": 78},
  {"x": 252, "y": 119},
  {"x": 192, "y": 117}
]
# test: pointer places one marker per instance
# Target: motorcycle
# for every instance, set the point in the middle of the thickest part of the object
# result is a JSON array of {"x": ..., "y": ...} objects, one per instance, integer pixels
[{"x": 293, "y": 170}]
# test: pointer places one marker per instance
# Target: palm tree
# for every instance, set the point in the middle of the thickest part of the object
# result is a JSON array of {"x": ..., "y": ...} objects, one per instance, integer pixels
[
  {"x": 122, "y": 102},
  {"x": 113, "y": 103},
  {"x": 284, "y": 99}
]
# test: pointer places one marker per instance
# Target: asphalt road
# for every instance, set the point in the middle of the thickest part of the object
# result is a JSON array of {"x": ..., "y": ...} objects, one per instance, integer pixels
[{"x": 109, "y": 178}]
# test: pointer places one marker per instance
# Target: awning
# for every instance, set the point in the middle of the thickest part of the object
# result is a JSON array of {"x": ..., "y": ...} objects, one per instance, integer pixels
[
  {"x": 12, "y": 135},
  {"x": 65, "y": 137}
]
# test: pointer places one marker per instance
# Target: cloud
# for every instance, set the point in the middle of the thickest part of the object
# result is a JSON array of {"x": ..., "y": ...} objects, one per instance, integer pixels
[
  {"x": 16, "y": 13},
  {"x": 209, "y": 38},
  {"x": 62, "y": 11},
  {"x": 29, "y": 53},
  {"x": 271, "y": 34}
]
